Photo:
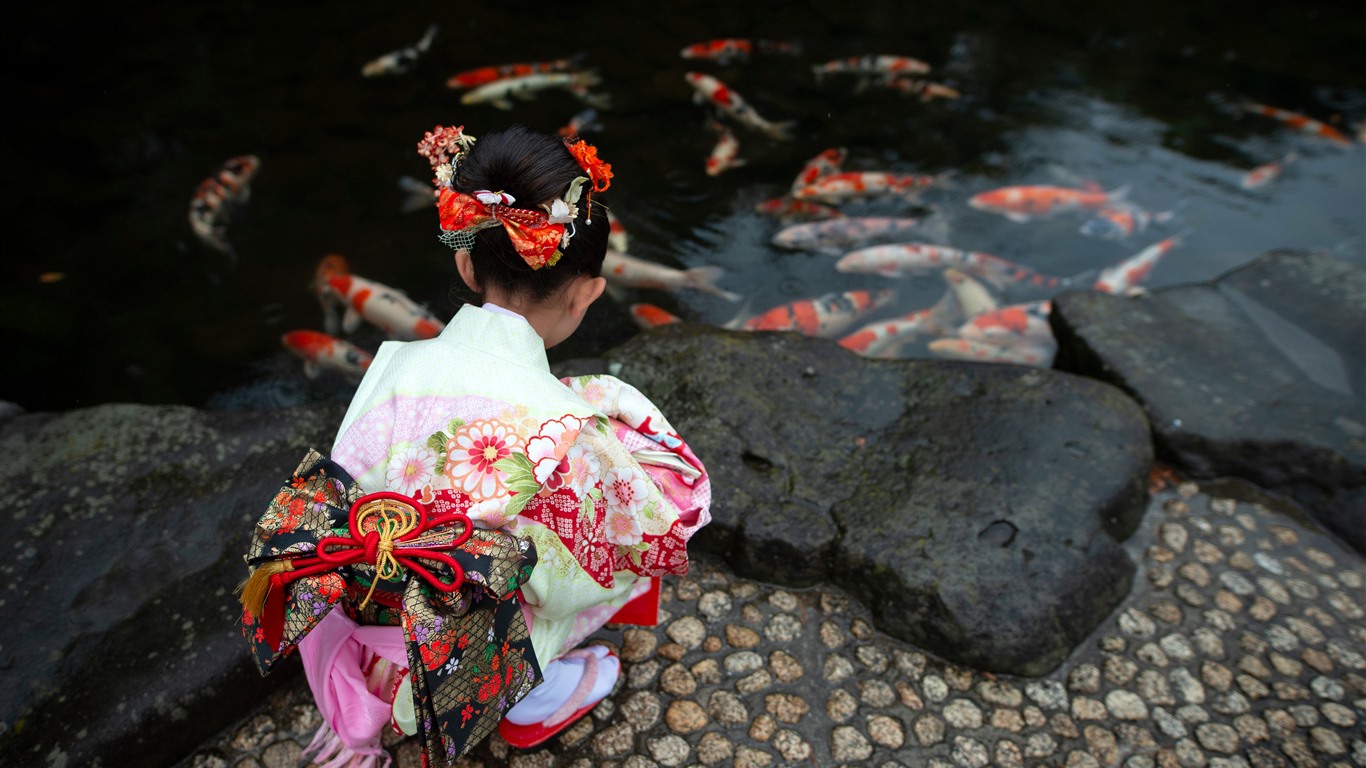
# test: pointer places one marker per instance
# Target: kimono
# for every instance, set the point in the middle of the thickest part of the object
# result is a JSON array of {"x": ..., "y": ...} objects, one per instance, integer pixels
[{"x": 586, "y": 469}]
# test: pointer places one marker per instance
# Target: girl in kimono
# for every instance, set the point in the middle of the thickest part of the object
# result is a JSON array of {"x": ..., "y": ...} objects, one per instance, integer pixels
[{"x": 472, "y": 421}]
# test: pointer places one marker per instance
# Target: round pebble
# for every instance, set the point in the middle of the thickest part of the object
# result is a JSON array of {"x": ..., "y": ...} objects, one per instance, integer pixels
[
  {"x": 962, "y": 713},
  {"x": 791, "y": 746},
  {"x": 847, "y": 744},
  {"x": 841, "y": 705},
  {"x": 929, "y": 730},
  {"x": 783, "y": 628},
  {"x": 742, "y": 663},
  {"x": 669, "y": 750},
  {"x": 714, "y": 605},
  {"x": 741, "y": 637},
  {"x": 886, "y": 731},
  {"x": 1126, "y": 705},
  {"x": 837, "y": 668},
  {"x": 970, "y": 753},
  {"x": 784, "y": 666},
  {"x": 685, "y": 716},
  {"x": 688, "y": 631},
  {"x": 1217, "y": 737}
]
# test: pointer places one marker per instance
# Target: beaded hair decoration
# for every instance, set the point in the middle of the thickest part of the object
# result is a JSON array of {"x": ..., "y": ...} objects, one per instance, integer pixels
[{"x": 538, "y": 234}]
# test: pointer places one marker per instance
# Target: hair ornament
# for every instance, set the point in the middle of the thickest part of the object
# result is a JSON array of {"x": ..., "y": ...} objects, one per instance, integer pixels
[
  {"x": 599, "y": 173},
  {"x": 444, "y": 148}
]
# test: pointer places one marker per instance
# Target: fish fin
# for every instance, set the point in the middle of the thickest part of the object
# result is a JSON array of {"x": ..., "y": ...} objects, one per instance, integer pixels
[
  {"x": 350, "y": 320},
  {"x": 1018, "y": 218},
  {"x": 502, "y": 104},
  {"x": 782, "y": 130},
  {"x": 739, "y": 161},
  {"x": 426, "y": 41},
  {"x": 600, "y": 101},
  {"x": 1119, "y": 193},
  {"x": 312, "y": 369},
  {"x": 704, "y": 279}
]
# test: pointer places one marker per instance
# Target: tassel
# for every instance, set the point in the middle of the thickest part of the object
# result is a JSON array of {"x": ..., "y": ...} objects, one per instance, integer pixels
[{"x": 254, "y": 589}]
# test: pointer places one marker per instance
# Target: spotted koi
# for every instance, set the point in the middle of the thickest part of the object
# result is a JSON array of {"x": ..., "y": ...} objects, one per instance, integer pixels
[
  {"x": 900, "y": 259},
  {"x": 213, "y": 203},
  {"x": 822, "y": 165},
  {"x": 1124, "y": 277},
  {"x": 1026, "y": 203},
  {"x": 839, "y": 187},
  {"x": 389, "y": 310},
  {"x": 651, "y": 316},
  {"x": 886, "y": 66},
  {"x": 1301, "y": 123},
  {"x": 484, "y": 75},
  {"x": 710, "y": 90},
  {"x": 321, "y": 351},
  {"x": 825, "y": 316}
]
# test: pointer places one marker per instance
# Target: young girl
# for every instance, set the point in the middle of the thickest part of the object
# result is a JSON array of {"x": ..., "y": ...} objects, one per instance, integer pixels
[{"x": 581, "y": 493}]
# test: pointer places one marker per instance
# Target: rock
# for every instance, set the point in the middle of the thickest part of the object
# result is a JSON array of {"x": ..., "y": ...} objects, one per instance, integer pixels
[
  {"x": 136, "y": 520},
  {"x": 1258, "y": 374},
  {"x": 949, "y": 481}
]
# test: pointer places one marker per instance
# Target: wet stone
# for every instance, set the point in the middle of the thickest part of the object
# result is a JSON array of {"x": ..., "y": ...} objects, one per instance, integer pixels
[
  {"x": 905, "y": 692},
  {"x": 873, "y": 658},
  {"x": 848, "y": 745},
  {"x": 791, "y": 747},
  {"x": 1320, "y": 617},
  {"x": 1188, "y": 754},
  {"x": 1251, "y": 728},
  {"x": 1007, "y": 720},
  {"x": 741, "y": 637},
  {"x": 685, "y": 716},
  {"x": 1297, "y": 749},
  {"x": 1274, "y": 590},
  {"x": 833, "y": 602},
  {"x": 575, "y": 735},
  {"x": 1303, "y": 589},
  {"x": 970, "y": 753},
  {"x": 1118, "y": 670},
  {"x": 1262, "y": 757},
  {"x": 783, "y": 628},
  {"x": 614, "y": 741},
  {"x": 1262, "y": 609},
  {"x": 1079, "y": 759},
  {"x": 1220, "y": 620},
  {"x": 1227, "y": 601},
  {"x": 1132, "y": 735},
  {"x": 670, "y": 751},
  {"x": 929, "y": 730},
  {"x": 1208, "y": 643},
  {"x": 958, "y": 678},
  {"x": 687, "y": 590},
  {"x": 713, "y": 748},
  {"x": 783, "y": 600},
  {"x": 1279, "y": 722},
  {"x": 1112, "y": 644},
  {"x": 1217, "y": 737},
  {"x": 1000, "y": 694},
  {"x": 1283, "y": 535},
  {"x": 764, "y": 726},
  {"x": 1252, "y": 643},
  {"x": 642, "y": 675},
  {"x": 1177, "y": 647},
  {"x": 886, "y": 731},
  {"x": 253, "y": 734},
  {"x": 1345, "y": 655},
  {"x": 831, "y": 635},
  {"x": 961, "y": 713},
  {"x": 749, "y": 757},
  {"x": 1160, "y": 554},
  {"x": 714, "y": 605},
  {"x": 1192, "y": 713},
  {"x": 672, "y": 652},
  {"x": 676, "y": 680},
  {"x": 1195, "y": 573},
  {"x": 909, "y": 663},
  {"x": 860, "y": 629},
  {"x": 1166, "y": 611},
  {"x": 837, "y": 668},
  {"x": 1034, "y": 717},
  {"x": 1039, "y": 745},
  {"x": 742, "y": 663},
  {"x": 1306, "y": 632},
  {"x": 1169, "y": 724},
  {"x": 1206, "y": 552},
  {"x": 1305, "y": 715},
  {"x": 876, "y": 693},
  {"x": 841, "y": 705},
  {"x": 1286, "y": 665},
  {"x": 755, "y": 682},
  {"x": 1320, "y": 661},
  {"x": 1174, "y": 535},
  {"x": 282, "y": 754},
  {"x": 1084, "y": 678},
  {"x": 688, "y": 631},
  {"x": 784, "y": 666},
  {"x": 751, "y": 613},
  {"x": 1231, "y": 703},
  {"x": 727, "y": 708},
  {"x": 642, "y": 710}
]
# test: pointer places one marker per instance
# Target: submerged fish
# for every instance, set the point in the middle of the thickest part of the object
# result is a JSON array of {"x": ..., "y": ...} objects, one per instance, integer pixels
[
  {"x": 886, "y": 66},
  {"x": 822, "y": 165},
  {"x": 389, "y": 310},
  {"x": 421, "y": 194},
  {"x": 500, "y": 92},
  {"x": 977, "y": 350},
  {"x": 1025, "y": 203},
  {"x": 925, "y": 89},
  {"x": 708, "y": 89},
  {"x": 1124, "y": 277},
  {"x": 1121, "y": 219},
  {"x": 1015, "y": 324},
  {"x": 650, "y": 316},
  {"x": 900, "y": 259},
  {"x": 400, "y": 61},
  {"x": 321, "y": 351},
  {"x": 331, "y": 304},
  {"x": 627, "y": 270},
  {"x": 840, "y": 187},
  {"x": 587, "y": 120},
  {"x": 973, "y": 298},
  {"x": 731, "y": 49},
  {"x": 724, "y": 155},
  {"x": 836, "y": 236},
  {"x": 474, "y": 78},
  {"x": 789, "y": 209},
  {"x": 617, "y": 239},
  {"x": 825, "y": 316},
  {"x": 1301, "y": 123},
  {"x": 211, "y": 206},
  {"x": 885, "y": 338},
  {"x": 1265, "y": 174}
]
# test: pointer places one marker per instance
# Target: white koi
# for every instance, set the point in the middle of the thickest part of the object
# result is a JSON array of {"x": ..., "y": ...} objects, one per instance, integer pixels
[
  {"x": 900, "y": 259},
  {"x": 400, "y": 61},
  {"x": 626, "y": 270},
  {"x": 1124, "y": 277},
  {"x": 500, "y": 92}
]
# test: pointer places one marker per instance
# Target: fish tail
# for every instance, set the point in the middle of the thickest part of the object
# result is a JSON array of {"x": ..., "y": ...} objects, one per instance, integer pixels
[
  {"x": 704, "y": 279},
  {"x": 1119, "y": 193},
  {"x": 426, "y": 41},
  {"x": 782, "y": 130}
]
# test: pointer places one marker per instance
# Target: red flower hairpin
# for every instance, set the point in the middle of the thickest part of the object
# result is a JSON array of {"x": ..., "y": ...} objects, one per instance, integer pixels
[{"x": 599, "y": 173}]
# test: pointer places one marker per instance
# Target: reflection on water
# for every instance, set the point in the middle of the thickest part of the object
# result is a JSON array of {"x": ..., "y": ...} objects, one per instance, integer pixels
[{"x": 103, "y": 170}]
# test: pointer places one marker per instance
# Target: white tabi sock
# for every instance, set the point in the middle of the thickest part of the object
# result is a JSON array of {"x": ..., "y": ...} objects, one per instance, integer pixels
[{"x": 561, "y": 677}]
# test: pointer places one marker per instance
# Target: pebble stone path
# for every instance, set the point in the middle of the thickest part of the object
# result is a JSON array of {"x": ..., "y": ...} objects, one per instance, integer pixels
[{"x": 1241, "y": 644}]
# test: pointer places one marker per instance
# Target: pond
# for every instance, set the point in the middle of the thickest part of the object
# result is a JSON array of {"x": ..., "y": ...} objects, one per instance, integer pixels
[{"x": 110, "y": 297}]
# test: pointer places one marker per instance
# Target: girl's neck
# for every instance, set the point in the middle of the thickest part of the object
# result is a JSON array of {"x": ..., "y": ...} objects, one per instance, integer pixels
[{"x": 544, "y": 320}]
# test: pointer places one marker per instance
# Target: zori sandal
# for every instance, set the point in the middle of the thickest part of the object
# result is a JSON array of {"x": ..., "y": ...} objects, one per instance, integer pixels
[{"x": 575, "y": 707}]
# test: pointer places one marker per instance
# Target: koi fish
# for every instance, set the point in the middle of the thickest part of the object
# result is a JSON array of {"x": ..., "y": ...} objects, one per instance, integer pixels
[
  {"x": 825, "y": 316},
  {"x": 710, "y": 90},
  {"x": 1015, "y": 324},
  {"x": 723, "y": 155},
  {"x": 616, "y": 234},
  {"x": 389, "y": 310},
  {"x": 730, "y": 49},
  {"x": 925, "y": 89},
  {"x": 474, "y": 78},
  {"x": 1021, "y": 204},
  {"x": 321, "y": 351},
  {"x": 822, "y": 165},
  {"x": 332, "y": 305},
  {"x": 1124, "y": 277},
  {"x": 788, "y": 209},
  {"x": 400, "y": 61},
  {"x": 650, "y": 316},
  {"x": 988, "y": 352},
  {"x": 624, "y": 269},
  {"x": 973, "y": 298},
  {"x": 1301, "y": 123},
  {"x": 586, "y": 120},
  {"x": 900, "y": 259},
  {"x": 421, "y": 194},
  {"x": 1121, "y": 219},
  {"x": 886, "y": 66},
  {"x": 839, "y": 187},
  {"x": 835, "y": 236},
  {"x": 884, "y": 338},
  {"x": 1265, "y": 174},
  {"x": 212, "y": 204},
  {"x": 499, "y": 92}
]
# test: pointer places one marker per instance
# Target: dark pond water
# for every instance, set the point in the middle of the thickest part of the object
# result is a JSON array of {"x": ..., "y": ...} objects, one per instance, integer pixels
[{"x": 116, "y": 115}]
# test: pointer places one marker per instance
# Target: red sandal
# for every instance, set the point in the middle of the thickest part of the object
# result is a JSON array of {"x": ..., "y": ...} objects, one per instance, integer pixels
[{"x": 574, "y": 708}]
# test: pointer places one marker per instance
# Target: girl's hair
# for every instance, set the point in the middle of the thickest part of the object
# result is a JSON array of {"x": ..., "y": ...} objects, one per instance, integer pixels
[{"x": 534, "y": 168}]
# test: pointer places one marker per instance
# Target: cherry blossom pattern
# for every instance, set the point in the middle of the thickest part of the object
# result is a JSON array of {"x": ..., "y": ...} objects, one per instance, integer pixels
[
  {"x": 626, "y": 491},
  {"x": 410, "y": 469},
  {"x": 548, "y": 451},
  {"x": 472, "y": 453}
]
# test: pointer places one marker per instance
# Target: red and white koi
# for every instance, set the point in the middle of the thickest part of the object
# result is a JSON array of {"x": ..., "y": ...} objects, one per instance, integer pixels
[
  {"x": 973, "y": 298},
  {"x": 1015, "y": 324},
  {"x": 1124, "y": 277},
  {"x": 500, "y": 92},
  {"x": 1025, "y": 203},
  {"x": 977, "y": 350},
  {"x": 321, "y": 351},
  {"x": 822, "y": 165},
  {"x": 474, "y": 78},
  {"x": 885, "y": 66},
  {"x": 724, "y": 155},
  {"x": 708, "y": 89},
  {"x": 825, "y": 316},
  {"x": 332, "y": 305},
  {"x": 1121, "y": 219},
  {"x": 651, "y": 316},
  {"x": 900, "y": 259},
  {"x": 400, "y": 61},
  {"x": 731, "y": 49},
  {"x": 836, "y": 236},
  {"x": 925, "y": 89},
  {"x": 617, "y": 238},
  {"x": 1265, "y": 174},
  {"x": 1301, "y": 123},
  {"x": 213, "y": 202},
  {"x": 587, "y": 120},
  {"x": 788, "y": 209},
  {"x": 885, "y": 338},
  {"x": 626, "y": 270},
  {"x": 836, "y": 188},
  {"x": 389, "y": 310}
]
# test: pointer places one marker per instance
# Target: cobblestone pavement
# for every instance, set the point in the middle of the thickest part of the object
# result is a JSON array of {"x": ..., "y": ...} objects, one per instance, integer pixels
[{"x": 1241, "y": 644}]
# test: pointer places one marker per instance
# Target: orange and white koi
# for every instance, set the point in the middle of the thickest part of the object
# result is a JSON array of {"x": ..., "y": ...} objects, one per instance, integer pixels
[
  {"x": 400, "y": 61},
  {"x": 1301, "y": 123},
  {"x": 651, "y": 316},
  {"x": 825, "y": 316},
  {"x": 332, "y": 305},
  {"x": 835, "y": 236},
  {"x": 616, "y": 234},
  {"x": 213, "y": 202},
  {"x": 474, "y": 78},
  {"x": 987, "y": 352},
  {"x": 822, "y": 165},
  {"x": 884, "y": 338},
  {"x": 730, "y": 49},
  {"x": 321, "y": 351},
  {"x": 973, "y": 297},
  {"x": 626, "y": 270},
  {"x": 1265, "y": 174},
  {"x": 500, "y": 92},
  {"x": 724, "y": 155},
  {"x": 885, "y": 66},
  {"x": 389, "y": 310},
  {"x": 788, "y": 209},
  {"x": 708, "y": 89},
  {"x": 1121, "y": 219},
  {"x": 900, "y": 259},
  {"x": 839, "y": 187},
  {"x": 925, "y": 89},
  {"x": 1124, "y": 277},
  {"x": 587, "y": 120},
  {"x": 1025, "y": 203},
  {"x": 1015, "y": 324}
]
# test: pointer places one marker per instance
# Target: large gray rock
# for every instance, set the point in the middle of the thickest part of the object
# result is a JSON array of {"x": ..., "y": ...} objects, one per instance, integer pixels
[
  {"x": 128, "y": 524},
  {"x": 1259, "y": 374},
  {"x": 975, "y": 508}
]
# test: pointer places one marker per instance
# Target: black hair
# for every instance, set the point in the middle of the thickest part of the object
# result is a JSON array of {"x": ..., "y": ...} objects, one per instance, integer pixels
[{"x": 534, "y": 168}]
